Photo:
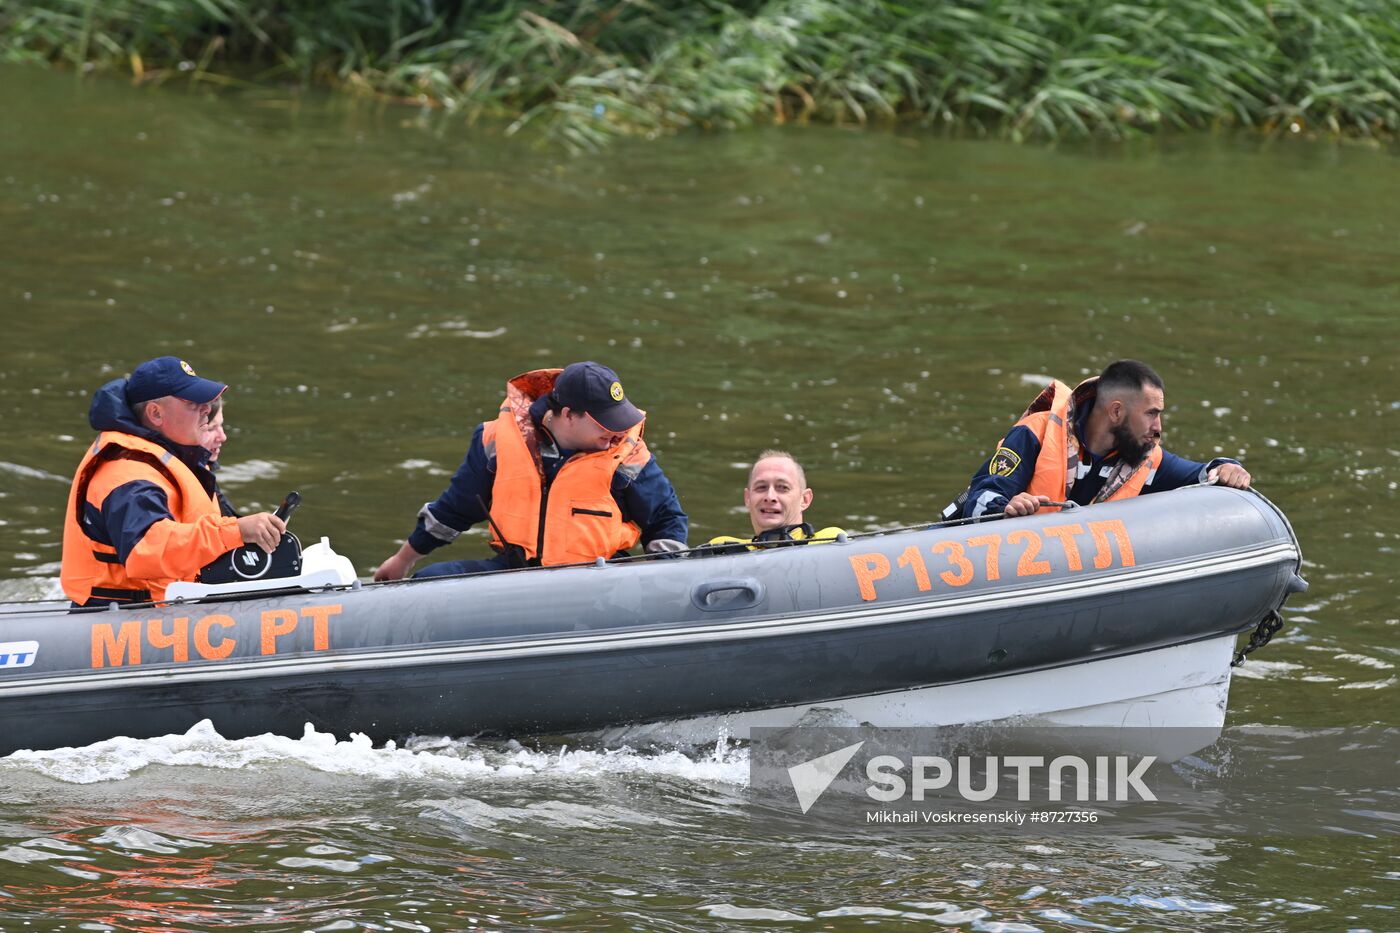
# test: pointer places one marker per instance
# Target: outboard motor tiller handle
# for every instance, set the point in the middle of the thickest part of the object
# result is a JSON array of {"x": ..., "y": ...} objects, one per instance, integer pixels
[{"x": 288, "y": 506}]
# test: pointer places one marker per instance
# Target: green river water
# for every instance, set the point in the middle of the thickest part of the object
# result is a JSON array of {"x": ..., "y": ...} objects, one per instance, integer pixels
[{"x": 882, "y": 305}]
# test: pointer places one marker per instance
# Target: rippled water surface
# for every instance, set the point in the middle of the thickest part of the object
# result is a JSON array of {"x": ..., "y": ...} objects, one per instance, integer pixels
[{"x": 366, "y": 278}]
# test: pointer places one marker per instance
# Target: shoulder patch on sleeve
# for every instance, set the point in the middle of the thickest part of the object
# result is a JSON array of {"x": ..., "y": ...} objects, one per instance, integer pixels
[{"x": 1004, "y": 462}]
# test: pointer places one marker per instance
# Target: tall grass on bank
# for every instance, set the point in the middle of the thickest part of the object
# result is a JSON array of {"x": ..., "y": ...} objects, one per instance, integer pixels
[{"x": 585, "y": 70}]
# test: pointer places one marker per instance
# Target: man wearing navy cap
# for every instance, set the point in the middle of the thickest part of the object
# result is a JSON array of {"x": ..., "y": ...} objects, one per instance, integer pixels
[
  {"x": 142, "y": 511},
  {"x": 562, "y": 476}
]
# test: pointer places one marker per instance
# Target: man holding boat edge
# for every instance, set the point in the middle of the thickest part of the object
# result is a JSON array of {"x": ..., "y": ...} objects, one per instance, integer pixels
[
  {"x": 1096, "y": 443},
  {"x": 562, "y": 476},
  {"x": 142, "y": 510}
]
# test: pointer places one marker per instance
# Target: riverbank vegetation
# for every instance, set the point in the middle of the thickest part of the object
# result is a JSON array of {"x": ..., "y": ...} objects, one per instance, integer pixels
[{"x": 585, "y": 70}]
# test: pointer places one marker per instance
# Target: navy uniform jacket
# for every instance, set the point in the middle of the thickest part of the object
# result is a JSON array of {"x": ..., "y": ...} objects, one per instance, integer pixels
[
  {"x": 649, "y": 499},
  {"x": 990, "y": 493}
]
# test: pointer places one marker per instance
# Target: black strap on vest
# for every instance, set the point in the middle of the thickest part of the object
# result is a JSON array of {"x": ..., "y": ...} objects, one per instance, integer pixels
[
  {"x": 784, "y": 533},
  {"x": 111, "y": 594}
]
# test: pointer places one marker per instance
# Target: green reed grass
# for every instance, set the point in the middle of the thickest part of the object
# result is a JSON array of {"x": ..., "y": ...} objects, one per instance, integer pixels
[{"x": 583, "y": 71}]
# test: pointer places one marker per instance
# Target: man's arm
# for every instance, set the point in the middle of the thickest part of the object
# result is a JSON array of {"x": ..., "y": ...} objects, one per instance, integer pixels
[
  {"x": 650, "y": 501},
  {"x": 150, "y": 543},
  {"x": 1175, "y": 472},
  {"x": 457, "y": 509},
  {"x": 1005, "y": 476}
]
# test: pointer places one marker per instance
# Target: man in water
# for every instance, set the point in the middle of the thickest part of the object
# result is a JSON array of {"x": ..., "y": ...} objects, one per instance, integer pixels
[
  {"x": 777, "y": 496},
  {"x": 142, "y": 511},
  {"x": 562, "y": 475},
  {"x": 1096, "y": 443}
]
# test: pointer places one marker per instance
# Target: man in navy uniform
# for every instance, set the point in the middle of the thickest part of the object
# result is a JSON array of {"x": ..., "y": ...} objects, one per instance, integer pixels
[
  {"x": 1096, "y": 443},
  {"x": 562, "y": 476}
]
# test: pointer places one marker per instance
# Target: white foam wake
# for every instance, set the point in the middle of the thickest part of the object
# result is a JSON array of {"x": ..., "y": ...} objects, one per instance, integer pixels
[{"x": 425, "y": 758}]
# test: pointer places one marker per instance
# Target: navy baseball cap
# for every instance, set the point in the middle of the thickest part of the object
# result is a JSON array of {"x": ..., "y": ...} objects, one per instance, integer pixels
[
  {"x": 594, "y": 389},
  {"x": 169, "y": 375}
]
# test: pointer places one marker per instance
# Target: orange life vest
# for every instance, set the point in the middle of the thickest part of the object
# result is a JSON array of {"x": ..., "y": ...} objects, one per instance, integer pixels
[
  {"x": 576, "y": 519},
  {"x": 1057, "y": 465},
  {"x": 169, "y": 550}
]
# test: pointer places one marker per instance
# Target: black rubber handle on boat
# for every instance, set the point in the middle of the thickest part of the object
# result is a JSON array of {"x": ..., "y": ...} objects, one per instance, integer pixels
[
  {"x": 288, "y": 506},
  {"x": 727, "y": 595}
]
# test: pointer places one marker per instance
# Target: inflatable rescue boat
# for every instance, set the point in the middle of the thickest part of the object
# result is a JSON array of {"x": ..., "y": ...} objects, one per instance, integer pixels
[{"x": 1124, "y": 612}]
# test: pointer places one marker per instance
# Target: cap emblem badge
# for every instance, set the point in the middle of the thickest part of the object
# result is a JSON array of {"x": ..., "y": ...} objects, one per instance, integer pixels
[
  {"x": 189, "y": 370},
  {"x": 615, "y": 390}
]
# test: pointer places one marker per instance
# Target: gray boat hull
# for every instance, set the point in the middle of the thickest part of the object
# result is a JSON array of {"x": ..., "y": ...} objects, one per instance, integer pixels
[{"x": 597, "y": 647}]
